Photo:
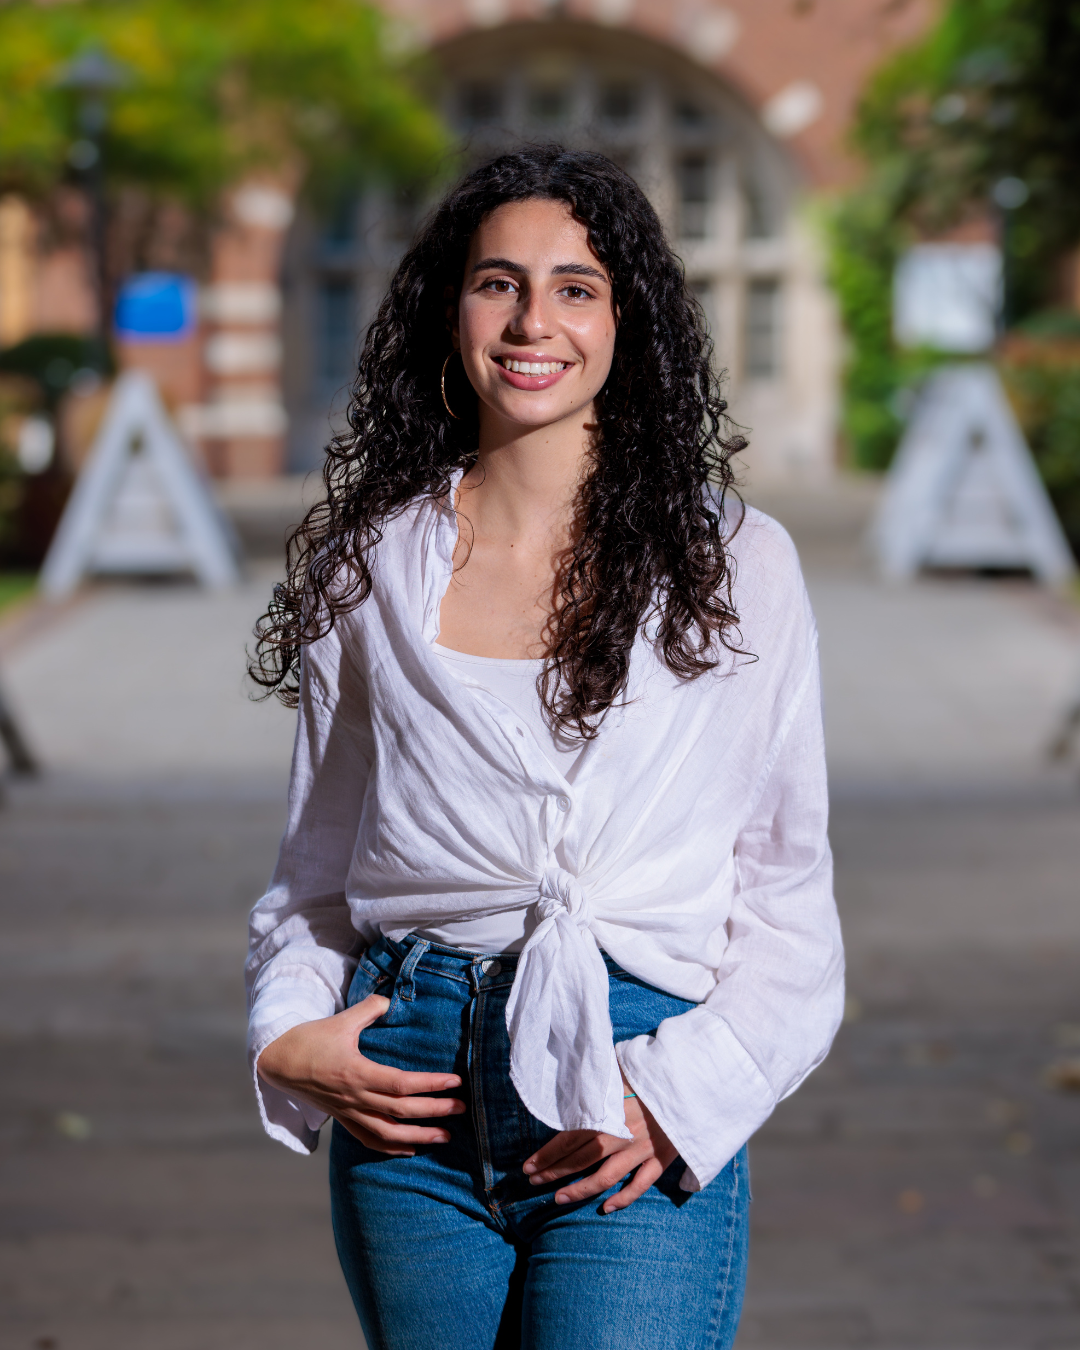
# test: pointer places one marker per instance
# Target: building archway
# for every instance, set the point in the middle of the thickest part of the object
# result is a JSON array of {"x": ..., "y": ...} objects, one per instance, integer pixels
[{"x": 728, "y": 193}]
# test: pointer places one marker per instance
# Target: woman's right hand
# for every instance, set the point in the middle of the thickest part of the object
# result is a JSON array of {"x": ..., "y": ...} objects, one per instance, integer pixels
[{"x": 320, "y": 1062}]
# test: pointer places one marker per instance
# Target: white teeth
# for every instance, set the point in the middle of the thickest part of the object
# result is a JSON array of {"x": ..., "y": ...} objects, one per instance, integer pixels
[{"x": 534, "y": 367}]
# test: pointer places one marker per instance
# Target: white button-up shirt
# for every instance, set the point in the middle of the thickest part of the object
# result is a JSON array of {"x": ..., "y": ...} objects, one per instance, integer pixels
[{"x": 691, "y": 845}]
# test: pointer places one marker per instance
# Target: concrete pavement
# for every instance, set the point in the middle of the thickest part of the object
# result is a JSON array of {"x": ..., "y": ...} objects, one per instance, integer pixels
[
  {"x": 921, "y": 1190},
  {"x": 143, "y": 1206}
]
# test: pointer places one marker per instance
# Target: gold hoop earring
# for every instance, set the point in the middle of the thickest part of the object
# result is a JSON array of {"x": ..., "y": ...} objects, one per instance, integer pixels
[{"x": 442, "y": 386}]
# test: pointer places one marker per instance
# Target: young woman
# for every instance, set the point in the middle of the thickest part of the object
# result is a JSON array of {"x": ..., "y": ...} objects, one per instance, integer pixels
[{"x": 552, "y": 927}]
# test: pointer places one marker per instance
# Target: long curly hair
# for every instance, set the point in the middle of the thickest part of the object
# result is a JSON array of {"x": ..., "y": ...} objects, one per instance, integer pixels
[{"x": 649, "y": 541}]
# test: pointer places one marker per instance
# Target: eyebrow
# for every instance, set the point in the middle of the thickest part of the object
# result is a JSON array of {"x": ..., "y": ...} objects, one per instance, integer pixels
[{"x": 559, "y": 270}]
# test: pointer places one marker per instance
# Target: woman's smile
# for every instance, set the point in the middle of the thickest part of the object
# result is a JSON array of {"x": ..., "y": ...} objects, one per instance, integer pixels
[
  {"x": 535, "y": 316},
  {"x": 531, "y": 370}
]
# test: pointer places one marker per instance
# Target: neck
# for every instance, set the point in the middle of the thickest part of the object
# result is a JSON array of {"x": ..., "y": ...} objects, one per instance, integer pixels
[{"x": 525, "y": 480}]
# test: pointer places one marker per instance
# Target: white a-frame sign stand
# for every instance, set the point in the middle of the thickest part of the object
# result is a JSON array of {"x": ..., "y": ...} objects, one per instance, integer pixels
[
  {"x": 138, "y": 505},
  {"x": 963, "y": 490}
]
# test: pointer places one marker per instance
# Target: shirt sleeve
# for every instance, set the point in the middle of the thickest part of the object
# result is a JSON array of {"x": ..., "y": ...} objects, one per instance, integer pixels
[
  {"x": 303, "y": 947},
  {"x": 713, "y": 1075}
]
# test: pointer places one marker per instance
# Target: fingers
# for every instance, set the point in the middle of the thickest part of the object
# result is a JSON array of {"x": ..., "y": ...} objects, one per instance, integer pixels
[
  {"x": 401, "y": 1148},
  {"x": 564, "y": 1143},
  {"x": 591, "y": 1151},
  {"x": 391, "y": 1082},
  {"x": 393, "y": 1132},
  {"x": 388, "y": 1135},
  {"x": 373, "y": 1142},
  {"x": 650, "y": 1172},
  {"x": 365, "y": 1012},
  {"x": 414, "y": 1108},
  {"x": 612, "y": 1172}
]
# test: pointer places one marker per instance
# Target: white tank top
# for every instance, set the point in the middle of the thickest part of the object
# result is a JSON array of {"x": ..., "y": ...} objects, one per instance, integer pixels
[{"x": 514, "y": 682}]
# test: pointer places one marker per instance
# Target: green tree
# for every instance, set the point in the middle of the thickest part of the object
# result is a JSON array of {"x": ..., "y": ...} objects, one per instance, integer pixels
[
  {"x": 991, "y": 93},
  {"x": 210, "y": 91},
  {"x": 213, "y": 91},
  {"x": 866, "y": 241}
]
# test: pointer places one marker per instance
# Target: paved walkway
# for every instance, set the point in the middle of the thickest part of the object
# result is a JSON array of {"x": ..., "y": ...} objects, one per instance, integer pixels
[{"x": 921, "y": 1191}]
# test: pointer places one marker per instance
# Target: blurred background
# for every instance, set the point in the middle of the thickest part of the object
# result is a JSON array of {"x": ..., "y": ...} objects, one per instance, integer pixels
[{"x": 870, "y": 197}]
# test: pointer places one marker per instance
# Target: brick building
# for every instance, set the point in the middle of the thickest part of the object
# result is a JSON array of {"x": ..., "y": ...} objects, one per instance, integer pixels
[{"x": 733, "y": 118}]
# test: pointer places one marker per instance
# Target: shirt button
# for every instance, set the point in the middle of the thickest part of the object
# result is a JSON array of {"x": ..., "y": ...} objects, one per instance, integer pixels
[{"x": 563, "y": 803}]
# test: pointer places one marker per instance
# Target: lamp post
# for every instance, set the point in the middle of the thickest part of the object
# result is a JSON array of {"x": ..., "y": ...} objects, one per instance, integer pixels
[{"x": 93, "y": 75}]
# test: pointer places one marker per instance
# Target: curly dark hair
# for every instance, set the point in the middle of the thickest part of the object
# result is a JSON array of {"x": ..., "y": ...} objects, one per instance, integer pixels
[{"x": 649, "y": 537}]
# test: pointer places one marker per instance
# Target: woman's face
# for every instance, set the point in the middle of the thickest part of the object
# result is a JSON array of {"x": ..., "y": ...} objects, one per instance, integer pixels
[{"x": 535, "y": 323}]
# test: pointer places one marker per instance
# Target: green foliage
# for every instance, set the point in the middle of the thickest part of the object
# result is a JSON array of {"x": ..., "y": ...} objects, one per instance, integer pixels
[
  {"x": 212, "y": 90},
  {"x": 12, "y": 482},
  {"x": 991, "y": 92},
  {"x": 1044, "y": 387},
  {"x": 15, "y": 586},
  {"x": 52, "y": 360},
  {"x": 866, "y": 237},
  {"x": 1051, "y": 325},
  {"x": 865, "y": 245},
  {"x": 12, "y": 479}
]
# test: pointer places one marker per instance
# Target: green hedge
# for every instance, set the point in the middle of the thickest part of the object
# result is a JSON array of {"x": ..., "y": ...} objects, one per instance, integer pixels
[{"x": 1043, "y": 380}]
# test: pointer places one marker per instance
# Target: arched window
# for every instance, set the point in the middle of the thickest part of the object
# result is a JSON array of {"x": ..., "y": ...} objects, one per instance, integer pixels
[{"x": 725, "y": 189}]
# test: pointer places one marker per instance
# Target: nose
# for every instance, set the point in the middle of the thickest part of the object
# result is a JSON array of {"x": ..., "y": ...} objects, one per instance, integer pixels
[{"x": 533, "y": 317}]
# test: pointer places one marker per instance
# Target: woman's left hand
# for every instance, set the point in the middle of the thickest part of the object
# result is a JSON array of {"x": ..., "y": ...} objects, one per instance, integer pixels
[{"x": 650, "y": 1151}]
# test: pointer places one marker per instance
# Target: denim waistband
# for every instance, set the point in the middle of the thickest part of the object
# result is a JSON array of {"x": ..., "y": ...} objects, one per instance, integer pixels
[{"x": 497, "y": 967}]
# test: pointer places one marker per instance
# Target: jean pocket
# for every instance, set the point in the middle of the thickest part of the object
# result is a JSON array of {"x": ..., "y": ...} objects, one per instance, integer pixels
[{"x": 367, "y": 979}]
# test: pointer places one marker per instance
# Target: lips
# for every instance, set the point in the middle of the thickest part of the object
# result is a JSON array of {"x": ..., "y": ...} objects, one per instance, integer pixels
[{"x": 539, "y": 373}]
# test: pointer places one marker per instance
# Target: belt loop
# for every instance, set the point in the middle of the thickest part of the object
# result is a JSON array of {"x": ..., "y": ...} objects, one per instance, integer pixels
[{"x": 405, "y": 987}]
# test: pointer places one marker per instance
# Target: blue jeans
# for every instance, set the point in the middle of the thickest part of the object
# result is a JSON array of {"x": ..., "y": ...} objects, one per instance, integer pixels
[{"x": 454, "y": 1247}]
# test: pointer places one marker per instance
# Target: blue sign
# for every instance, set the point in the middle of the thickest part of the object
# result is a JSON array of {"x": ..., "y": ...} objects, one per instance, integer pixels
[{"x": 155, "y": 307}]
